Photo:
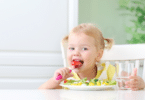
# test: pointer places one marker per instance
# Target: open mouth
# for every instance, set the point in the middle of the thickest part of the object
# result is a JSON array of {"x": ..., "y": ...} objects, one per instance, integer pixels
[{"x": 77, "y": 63}]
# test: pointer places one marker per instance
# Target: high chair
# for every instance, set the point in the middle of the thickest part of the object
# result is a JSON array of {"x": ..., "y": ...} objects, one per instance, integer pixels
[{"x": 128, "y": 53}]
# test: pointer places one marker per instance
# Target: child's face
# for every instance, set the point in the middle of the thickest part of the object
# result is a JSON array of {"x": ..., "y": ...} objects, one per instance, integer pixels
[{"x": 82, "y": 47}]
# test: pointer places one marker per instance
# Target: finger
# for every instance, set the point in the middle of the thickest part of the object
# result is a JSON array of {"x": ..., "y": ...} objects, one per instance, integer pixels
[
  {"x": 134, "y": 71},
  {"x": 63, "y": 73},
  {"x": 133, "y": 77},
  {"x": 58, "y": 75},
  {"x": 70, "y": 71},
  {"x": 127, "y": 82},
  {"x": 134, "y": 89},
  {"x": 70, "y": 74},
  {"x": 133, "y": 86},
  {"x": 134, "y": 83},
  {"x": 66, "y": 71},
  {"x": 59, "y": 72}
]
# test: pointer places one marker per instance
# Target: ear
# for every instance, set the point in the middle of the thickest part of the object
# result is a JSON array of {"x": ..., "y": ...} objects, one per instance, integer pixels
[{"x": 99, "y": 55}]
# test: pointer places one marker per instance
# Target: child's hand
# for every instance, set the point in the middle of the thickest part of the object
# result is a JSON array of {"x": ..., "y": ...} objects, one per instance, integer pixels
[
  {"x": 135, "y": 82},
  {"x": 64, "y": 72}
]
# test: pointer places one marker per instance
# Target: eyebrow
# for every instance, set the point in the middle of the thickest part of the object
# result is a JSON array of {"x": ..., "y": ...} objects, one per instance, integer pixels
[
  {"x": 80, "y": 45},
  {"x": 85, "y": 45}
]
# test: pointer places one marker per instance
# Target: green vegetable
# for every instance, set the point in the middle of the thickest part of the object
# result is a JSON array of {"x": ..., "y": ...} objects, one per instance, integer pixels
[
  {"x": 72, "y": 81},
  {"x": 113, "y": 82},
  {"x": 87, "y": 83},
  {"x": 95, "y": 80},
  {"x": 84, "y": 80},
  {"x": 99, "y": 81},
  {"x": 91, "y": 80},
  {"x": 67, "y": 83}
]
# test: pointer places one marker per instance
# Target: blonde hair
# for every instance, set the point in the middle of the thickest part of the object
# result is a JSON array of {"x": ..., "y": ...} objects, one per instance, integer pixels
[{"x": 93, "y": 31}]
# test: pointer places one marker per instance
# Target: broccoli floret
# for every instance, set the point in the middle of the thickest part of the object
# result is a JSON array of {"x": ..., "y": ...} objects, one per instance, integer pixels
[{"x": 95, "y": 80}]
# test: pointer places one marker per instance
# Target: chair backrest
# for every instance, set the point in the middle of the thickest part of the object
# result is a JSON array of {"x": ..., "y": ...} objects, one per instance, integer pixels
[{"x": 128, "y": 53}]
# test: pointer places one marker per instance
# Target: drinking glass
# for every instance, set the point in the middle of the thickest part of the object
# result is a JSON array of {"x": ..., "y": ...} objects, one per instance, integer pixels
[{"x": 123, "y": 71}]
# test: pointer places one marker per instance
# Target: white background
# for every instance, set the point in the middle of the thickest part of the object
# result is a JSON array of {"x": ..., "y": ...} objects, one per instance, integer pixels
[
  {"x": 32, "y": 25},
  {"x": 30, "y": 36}
]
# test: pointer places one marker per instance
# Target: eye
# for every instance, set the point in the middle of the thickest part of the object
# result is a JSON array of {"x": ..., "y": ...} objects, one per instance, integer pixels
[
  {"x": 85, "y": 49},
  {"x": 71, "y": 48}
]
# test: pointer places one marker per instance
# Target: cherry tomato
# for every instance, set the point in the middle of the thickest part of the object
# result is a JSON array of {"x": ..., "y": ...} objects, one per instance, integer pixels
[
  {"x": 65, "y": 81},
  {"x": 76, "y": 63}
]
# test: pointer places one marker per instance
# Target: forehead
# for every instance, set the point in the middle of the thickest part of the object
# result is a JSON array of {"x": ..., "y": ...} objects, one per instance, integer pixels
[{"x": 80, "y": 38}]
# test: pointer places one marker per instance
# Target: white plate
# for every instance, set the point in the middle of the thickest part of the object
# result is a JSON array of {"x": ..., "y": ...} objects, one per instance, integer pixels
[{"x": 89, "y": 88}]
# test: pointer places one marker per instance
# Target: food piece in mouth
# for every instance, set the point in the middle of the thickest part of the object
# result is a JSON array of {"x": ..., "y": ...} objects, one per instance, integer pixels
[{"x": 77, "y": 63}]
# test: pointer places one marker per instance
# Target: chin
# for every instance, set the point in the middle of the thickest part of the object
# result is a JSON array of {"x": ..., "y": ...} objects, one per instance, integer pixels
[{"x": 76, "y": 70}]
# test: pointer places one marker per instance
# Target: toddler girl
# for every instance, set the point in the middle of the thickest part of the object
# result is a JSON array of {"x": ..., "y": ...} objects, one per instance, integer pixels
[{"x": 86, "y": 45}]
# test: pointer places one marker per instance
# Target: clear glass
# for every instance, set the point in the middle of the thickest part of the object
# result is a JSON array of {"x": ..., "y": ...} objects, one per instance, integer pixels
[{"x": 123, "y": 71}]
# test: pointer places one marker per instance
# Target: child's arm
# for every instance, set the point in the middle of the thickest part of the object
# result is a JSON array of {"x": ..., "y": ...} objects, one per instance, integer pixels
[{"x": 53, "y": 83}]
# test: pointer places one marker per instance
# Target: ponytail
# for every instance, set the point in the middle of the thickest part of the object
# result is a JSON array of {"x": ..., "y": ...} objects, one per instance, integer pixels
[
  {"x": 110, "y": 43},
  {"x": 64, "y": 40}
]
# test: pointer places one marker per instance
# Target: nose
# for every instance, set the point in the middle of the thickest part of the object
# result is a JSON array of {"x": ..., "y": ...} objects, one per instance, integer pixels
[{"x": 76, "y": 53}]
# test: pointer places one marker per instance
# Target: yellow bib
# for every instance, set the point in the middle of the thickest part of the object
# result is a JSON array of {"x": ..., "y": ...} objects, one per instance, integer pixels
[{"x": 110, "y": 72}]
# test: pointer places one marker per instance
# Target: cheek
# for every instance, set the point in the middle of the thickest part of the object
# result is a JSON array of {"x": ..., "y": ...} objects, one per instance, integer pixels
[
  {"x": 89, "y": 57},
  {"x": 69, "y": 56}
]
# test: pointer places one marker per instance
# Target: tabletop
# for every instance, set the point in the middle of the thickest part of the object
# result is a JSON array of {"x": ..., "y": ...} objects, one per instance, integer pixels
[{"x": 59, "y": 94}]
